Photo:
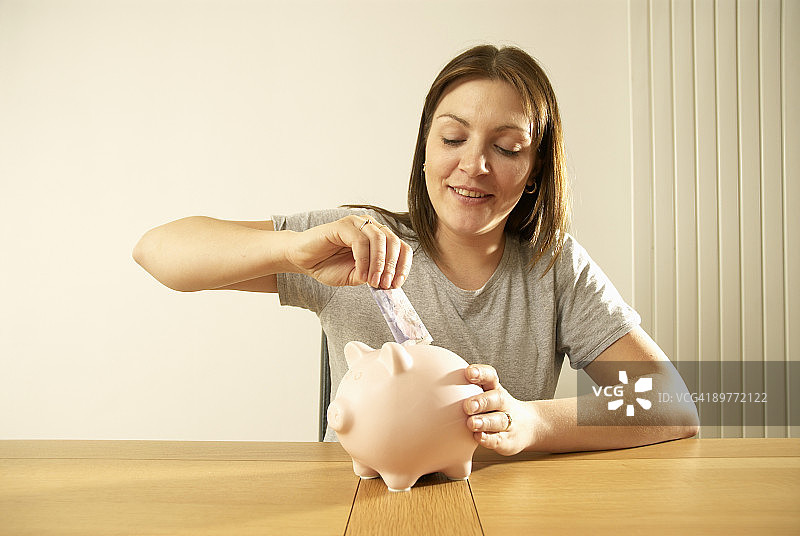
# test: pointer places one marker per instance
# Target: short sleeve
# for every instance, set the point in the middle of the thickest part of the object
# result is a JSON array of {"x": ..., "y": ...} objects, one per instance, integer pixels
[
  {"x": 300, "y": 290},
  {"x": 591, "y": 314}
]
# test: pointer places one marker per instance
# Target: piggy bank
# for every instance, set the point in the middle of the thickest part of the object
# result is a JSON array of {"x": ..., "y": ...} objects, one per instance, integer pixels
[{"x": 399, "y": 413}]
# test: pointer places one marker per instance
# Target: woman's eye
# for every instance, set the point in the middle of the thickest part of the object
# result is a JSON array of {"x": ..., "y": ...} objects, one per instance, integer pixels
[
  {"x": 448, "y": 141},
  {"x": 507, "y": 152},
  {"x": 501, "y": 150}
]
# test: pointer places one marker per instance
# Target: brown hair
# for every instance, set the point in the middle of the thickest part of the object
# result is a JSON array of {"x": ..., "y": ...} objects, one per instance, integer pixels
[{"x": 540, "y": 218}]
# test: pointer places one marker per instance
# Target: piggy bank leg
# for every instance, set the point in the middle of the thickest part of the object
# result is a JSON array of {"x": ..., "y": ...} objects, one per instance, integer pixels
[
  {"x": 459, "y": 471},
  {"x": 364, "y": 471},
  {"x": 399, "y": 482}
]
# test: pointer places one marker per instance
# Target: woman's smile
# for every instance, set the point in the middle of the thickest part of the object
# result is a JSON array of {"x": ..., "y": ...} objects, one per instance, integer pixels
[{"x": 470, "y": 194}]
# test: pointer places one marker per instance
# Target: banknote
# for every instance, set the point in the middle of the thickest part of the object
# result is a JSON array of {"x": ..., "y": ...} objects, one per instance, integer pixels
[{"x": 400, "y": 315}]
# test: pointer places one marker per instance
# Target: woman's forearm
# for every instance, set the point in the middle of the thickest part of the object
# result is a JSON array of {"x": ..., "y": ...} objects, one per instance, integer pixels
[
  {"x": 560, "y": 425},
  {"x": 199, "y": 253}
]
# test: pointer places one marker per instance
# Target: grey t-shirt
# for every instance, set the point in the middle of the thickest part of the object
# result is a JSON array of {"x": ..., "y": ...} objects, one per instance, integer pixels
[{"x": 521, "y": 323}]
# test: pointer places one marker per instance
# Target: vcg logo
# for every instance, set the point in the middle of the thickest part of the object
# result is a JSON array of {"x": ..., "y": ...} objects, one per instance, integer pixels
[{"x": 642, "y": 385}]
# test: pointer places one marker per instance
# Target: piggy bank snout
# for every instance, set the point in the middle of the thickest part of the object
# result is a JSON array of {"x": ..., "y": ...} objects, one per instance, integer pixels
[{"x": 339, "y": 418}]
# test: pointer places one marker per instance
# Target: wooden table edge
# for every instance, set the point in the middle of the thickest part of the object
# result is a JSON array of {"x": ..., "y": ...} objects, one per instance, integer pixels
[
  {"x": 314, "y": 451},
  {"x": 172, "y": 450},
  {"x": 681, "y": 448}
]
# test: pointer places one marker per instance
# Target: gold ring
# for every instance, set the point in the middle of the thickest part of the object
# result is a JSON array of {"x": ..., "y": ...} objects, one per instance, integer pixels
[
  {"x": 367, "y": 221},
  {"x": 509, "y": 421}
]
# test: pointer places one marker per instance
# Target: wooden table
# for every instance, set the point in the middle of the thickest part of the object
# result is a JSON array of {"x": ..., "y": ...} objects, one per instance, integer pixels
[{"x": 706, "y": 486}]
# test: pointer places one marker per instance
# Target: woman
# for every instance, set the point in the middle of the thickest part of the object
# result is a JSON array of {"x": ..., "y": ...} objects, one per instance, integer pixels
[{"x": 496, "y": 278}]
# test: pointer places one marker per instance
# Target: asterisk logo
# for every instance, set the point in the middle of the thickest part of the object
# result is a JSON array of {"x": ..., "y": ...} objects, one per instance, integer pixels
[{"x": 642, "y": 385}]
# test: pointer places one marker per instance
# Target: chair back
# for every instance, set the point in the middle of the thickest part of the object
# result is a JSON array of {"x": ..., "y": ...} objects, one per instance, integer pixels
[{"x": 324, "y": 386}]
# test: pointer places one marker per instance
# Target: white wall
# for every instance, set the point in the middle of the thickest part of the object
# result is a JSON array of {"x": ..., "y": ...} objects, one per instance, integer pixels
[{"x": 116, "y": 116}]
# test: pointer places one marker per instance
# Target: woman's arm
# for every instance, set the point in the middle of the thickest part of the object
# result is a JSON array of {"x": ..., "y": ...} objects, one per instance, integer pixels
[
  {"x": 200, "y": 253},
  {"x": 557, "y": 426},
  {"x": 561, "y": 428}
]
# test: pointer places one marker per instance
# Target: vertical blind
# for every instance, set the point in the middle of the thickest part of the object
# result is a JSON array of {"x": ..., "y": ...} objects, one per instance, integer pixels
[{"x": 716, "y": 204}]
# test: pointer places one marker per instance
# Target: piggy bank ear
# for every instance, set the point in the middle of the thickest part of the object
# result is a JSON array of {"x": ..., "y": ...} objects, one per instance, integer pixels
[
  {"x": 355, "y": 350},
  {"x": 395, "y": 358}
]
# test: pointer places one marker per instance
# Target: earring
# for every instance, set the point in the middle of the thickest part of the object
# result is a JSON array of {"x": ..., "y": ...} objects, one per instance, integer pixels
[
  {"x": 423, "y": 167},
  {"x": 530, "y": 190}
]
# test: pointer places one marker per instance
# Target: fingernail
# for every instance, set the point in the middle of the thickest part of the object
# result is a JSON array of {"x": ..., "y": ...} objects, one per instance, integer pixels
[
  {"x": 473, "y": 406},
  {"x": 376, "y": 280},
  {"x": 477, "y": 424},
  {"x": 474, "y": 374}
]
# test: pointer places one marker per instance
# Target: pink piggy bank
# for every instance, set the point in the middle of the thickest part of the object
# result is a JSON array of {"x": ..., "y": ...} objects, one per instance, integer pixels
[{"x": 399, "y": 413}]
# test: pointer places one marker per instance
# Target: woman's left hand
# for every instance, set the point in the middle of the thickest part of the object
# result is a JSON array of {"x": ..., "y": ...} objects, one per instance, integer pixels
[{"x": 490, "y": 412}]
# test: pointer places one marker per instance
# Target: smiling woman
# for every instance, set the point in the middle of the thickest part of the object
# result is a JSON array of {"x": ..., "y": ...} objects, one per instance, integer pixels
[
  {"x": 496, "y": 277},
  {"x": 478, "y": 160},
  {"x": 527, "y": 105},
  {"x": 490, "y": 107}
]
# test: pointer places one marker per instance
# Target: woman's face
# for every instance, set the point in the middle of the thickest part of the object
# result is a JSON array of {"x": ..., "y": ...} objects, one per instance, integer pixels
[{"x": 478, "y": 157}]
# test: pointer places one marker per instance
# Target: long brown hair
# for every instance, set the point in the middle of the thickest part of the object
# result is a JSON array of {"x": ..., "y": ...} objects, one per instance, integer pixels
[{"x": 540, "y": 218}]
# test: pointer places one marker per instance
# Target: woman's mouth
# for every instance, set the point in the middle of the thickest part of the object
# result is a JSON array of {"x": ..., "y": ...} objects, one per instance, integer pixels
[{"x": 468, "y": 193}]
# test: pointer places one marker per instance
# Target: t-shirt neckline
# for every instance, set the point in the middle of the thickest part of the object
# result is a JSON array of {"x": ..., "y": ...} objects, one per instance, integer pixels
[{"x": 496, "y": 276}]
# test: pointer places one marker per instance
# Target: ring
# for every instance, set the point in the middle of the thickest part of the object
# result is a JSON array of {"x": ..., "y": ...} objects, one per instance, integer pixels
[
  {"x": 509, "y": 421},
  {"x": 367, "y": 221}
]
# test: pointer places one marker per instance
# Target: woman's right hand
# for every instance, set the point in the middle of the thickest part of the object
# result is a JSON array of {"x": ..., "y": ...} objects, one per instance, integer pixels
[{"x": 348, "y": 252}]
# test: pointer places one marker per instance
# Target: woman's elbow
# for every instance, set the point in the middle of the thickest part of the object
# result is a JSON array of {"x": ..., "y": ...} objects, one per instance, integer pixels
[
  {"x": 140, "y": 251},
  {"x": 145, "y": 254},
  {"x": 692, "y": 427},
  {"x": 688, "y": 425}
]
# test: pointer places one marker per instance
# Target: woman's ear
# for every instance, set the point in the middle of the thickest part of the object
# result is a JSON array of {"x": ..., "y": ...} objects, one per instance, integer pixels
[
  {"x": 530, "y": 186},
  {"x": 538, "y": 160}
]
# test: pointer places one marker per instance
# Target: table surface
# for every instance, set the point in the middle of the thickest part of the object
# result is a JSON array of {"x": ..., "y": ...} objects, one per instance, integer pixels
[{"x": 691, "y": 486}]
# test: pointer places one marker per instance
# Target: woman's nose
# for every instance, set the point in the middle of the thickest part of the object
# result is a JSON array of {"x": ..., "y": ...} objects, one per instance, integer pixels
[{"x": 473, "y": 161}]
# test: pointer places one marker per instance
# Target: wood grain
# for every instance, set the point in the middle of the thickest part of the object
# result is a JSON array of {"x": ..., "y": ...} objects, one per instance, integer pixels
[
  {"x": 435, "y": 505},
  {"x": 692, "y": 495},
  {"x": 706, "y": 486},
  {"x": 109, "y": 497}
]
